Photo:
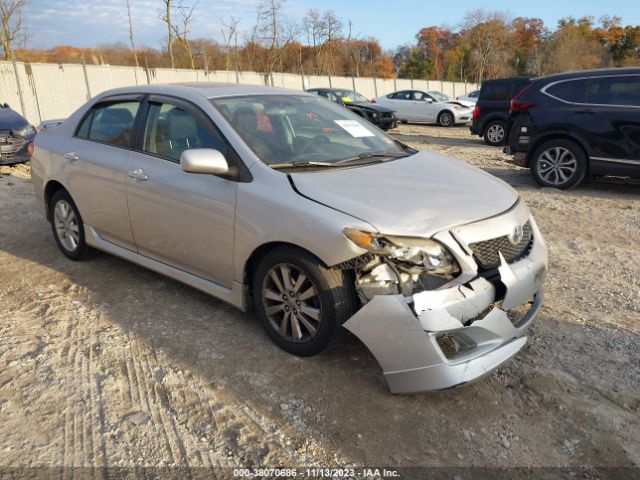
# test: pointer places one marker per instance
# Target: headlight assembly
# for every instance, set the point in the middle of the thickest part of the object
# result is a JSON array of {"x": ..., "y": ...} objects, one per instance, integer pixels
[
  {"x": 413, "y": 253},
  {"x": 25, "y": 131}
]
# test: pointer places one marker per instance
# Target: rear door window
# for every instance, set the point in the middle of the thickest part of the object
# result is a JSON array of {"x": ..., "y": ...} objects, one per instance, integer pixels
[
  {"x": 407, "y": 95},
  {"x": 614, "y": 91},
  {"x": 110, "y": 123},
  {"x": 497, "y": 91},
  {"x": 573, "y": 91}
]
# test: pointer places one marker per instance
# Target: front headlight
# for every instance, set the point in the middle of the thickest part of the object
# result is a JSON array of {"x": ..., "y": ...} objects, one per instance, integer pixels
[
  {"x": 25, "y": 131},
  {"x": 424, "y": 254}
]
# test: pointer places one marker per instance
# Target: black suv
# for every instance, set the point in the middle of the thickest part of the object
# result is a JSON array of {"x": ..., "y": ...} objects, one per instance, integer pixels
[
  {"x": 492, "y": 108},
  {"x": 566, "y": 126},
  {"x": 379, "y": 115},
  {"x": 16, "y": 134}
]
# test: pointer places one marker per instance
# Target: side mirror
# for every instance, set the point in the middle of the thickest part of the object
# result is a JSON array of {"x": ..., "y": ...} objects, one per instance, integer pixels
[
  {"x": 204, "y": 160},
  {"x": 428, "y": 100}
]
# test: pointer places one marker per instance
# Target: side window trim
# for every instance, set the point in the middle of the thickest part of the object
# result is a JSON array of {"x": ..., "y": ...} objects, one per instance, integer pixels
[{"x": 589, "y": 78}]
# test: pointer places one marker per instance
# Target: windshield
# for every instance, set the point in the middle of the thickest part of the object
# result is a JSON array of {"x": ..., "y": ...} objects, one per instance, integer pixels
[
  {"x": 284, "y": 129},
  {"x": 439, "y": 96},
  {"x": 350, "y": 96}
]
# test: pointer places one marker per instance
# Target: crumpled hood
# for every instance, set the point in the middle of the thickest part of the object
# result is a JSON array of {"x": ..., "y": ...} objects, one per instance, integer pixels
[
  {"x": 415, "y": 196},
  {"x": 10, "y": 120},
  {"x": 373, "y": 106},
  {"x": 462, "y": 103}
]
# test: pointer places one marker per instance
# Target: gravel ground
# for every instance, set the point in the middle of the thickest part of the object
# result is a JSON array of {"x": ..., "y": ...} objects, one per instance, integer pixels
[{"x": 103, "y": 363}]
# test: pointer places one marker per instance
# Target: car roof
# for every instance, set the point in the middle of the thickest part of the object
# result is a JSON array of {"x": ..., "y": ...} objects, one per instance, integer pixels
[
  {"x": 205, "y": 89},
  {"x": 591, "y": 72},
  {"x": 522, "y": 78}
]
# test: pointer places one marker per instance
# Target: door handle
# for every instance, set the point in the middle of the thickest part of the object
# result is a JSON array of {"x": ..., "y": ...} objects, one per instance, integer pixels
[
  {"x": 587, "y": 111},
  {"x": 138, "y": 174},
  {"x": 71, "y": 156}
]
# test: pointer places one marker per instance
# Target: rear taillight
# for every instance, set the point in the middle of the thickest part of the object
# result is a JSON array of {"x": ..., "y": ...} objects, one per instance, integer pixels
[
  {"x": 476, "y": 111},
  {"x": 517, "y": 104},
  {"x": 30, "y": 148}
]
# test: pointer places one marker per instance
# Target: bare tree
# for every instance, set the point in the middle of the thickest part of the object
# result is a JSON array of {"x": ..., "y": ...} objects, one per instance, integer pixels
[
  {"x": 230, "y": 34},
  {"x": 11, "y": 26},
  {"x": 315, "y": 29},
  {"x": 133, "y": 47},
  {"x": 181, "y": 31},
  {"x": 333, "y": 27},
  {"x": 273, "y": 31},
  {"x": 166, "y": 17}
]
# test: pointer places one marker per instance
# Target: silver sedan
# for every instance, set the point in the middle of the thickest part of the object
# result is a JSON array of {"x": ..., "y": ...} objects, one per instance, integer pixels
[
  {"x": 293, "y": 206},
  {"x": 428, "y": 106}
]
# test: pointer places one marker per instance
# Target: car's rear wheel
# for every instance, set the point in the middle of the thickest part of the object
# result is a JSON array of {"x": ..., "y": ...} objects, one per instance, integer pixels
[
  {"x": 494, "y": 133},
  {"x": 299, "y": 302},
  {"x": 446, "y": 119},
  {"x": 68, "y": 227},
  {"x": 558, "y": 164}
]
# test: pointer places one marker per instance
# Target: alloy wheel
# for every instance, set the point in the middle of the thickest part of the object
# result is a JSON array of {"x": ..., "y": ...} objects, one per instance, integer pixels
[
  {"x": 446, "y": 119},
  {"x": 291, "y": 302},
  {"x": 557, "y": 165},
  {"x": 495, "y": 133},
  {"x": 66, "y": 225}
]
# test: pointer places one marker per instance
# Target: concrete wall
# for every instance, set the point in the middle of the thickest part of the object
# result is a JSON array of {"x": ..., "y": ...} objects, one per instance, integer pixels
[{"x": 42, "y": 91}]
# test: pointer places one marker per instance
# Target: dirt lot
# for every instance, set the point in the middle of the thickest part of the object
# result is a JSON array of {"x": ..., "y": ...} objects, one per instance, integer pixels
[{"x": 105, "y": 363}]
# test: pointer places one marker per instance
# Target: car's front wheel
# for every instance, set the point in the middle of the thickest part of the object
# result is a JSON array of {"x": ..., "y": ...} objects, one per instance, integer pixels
[
  {"x": 68, "y": 228},
  {"x": 446, "y": 119},
  {"x": 299, "y": 301},
  {"x": 494, "y": 133},
  {"x": 558, "y": 164}
]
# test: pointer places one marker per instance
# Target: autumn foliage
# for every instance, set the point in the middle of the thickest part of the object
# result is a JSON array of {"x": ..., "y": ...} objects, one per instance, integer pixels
[{"x": 486, "y": 44}]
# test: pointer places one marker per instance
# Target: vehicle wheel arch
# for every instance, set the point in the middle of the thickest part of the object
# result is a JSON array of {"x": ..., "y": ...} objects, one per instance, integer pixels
[
  {"x": 446, "y": 110},
  {"x": 556, "y": 136},
  {"x": 50, "y": 189},
  {"x": 491, "y": 118},
  {"x": 259, "y": 252}
]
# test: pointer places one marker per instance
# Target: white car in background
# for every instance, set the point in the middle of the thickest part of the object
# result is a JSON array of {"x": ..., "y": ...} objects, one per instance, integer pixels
[
  {"x": 471, "y": 97},
  {"x": 427, "y": 106}
]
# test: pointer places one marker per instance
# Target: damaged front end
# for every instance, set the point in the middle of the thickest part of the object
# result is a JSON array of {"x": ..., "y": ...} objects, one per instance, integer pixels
[{"x": 441, "y": 312}]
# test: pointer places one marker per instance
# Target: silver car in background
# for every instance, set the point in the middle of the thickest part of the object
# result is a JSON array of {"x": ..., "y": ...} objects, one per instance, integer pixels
[
  {"x": 427, "y": 107},
  {"x": 293, "y": 206}
]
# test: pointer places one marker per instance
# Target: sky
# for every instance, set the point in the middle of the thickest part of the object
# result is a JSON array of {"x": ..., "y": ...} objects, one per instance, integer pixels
[{"x": 88, "y": 23}]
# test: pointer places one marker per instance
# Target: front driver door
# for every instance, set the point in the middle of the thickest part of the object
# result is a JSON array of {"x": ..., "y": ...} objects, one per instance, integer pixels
[{"x": 181, "y": 219}]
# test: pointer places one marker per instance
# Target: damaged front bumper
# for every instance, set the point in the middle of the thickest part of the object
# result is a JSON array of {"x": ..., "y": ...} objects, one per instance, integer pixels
[{"x": 445, "y": 338}]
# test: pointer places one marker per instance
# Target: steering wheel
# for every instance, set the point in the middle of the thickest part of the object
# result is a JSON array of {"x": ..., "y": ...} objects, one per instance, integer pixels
[{"x": 315, "y": 141}]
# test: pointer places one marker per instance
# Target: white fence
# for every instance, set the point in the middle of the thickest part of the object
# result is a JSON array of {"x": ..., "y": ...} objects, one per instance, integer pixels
[{"x": 42, "y": 91}]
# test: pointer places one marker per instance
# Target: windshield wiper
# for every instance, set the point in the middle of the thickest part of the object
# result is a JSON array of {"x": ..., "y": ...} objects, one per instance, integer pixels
[
  {"x": 369, "y": 155},
  {"x": 301, "y": 164}
]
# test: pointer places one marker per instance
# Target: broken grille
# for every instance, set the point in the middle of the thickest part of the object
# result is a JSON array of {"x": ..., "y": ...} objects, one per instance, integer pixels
[
  {"x": 10, "y": 145},
  {"x": 487, "y": 252}
]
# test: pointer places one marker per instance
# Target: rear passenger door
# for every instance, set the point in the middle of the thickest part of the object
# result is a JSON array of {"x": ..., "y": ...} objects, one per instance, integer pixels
[
  {"x": 181, "y": 219},
  {"x": 95, "y": 163},
  {"x": 616, "y": 103}
]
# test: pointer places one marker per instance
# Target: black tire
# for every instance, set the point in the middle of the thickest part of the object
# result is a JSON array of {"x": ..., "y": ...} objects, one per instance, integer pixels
[
  {"x": 543, "y": 166},
  {"x": 336, "y": 300},
  {"x": 404, "y": 122},
  {"x": 495, "y": 133},
  {"x": 446, "y": 119},
  {"x": 82, "y": 251}
]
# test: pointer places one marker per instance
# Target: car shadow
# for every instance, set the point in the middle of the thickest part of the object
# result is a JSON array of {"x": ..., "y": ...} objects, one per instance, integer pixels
[{"x": 339, "y": 396}]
